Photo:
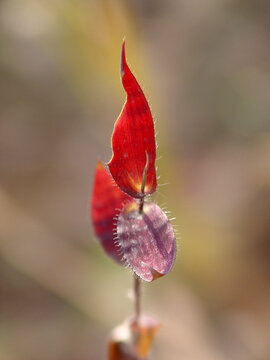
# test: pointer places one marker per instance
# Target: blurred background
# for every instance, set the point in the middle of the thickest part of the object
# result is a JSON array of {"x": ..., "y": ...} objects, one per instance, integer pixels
[{"x": 204, "y": 67}]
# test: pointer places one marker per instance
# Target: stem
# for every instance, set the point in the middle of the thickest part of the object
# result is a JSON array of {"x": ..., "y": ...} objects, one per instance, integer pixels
[
  {"x": 141, "y": 205},
  {"x": 143, "y": 183},
  {"x": 145, "y": 172},
  {"x": 137, "y": 283},
  {"x": 137, "y": 296}
]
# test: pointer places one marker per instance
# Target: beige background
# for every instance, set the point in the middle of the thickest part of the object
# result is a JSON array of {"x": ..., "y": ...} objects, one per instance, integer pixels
[{"x": 204, "y": 66}]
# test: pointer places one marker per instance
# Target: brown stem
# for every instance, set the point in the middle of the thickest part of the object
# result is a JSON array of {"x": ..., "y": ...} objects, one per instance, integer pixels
[
  {"x": 137, "y": 298},
  {"x": 141, "y": 205},
  {"x": 143, "y": 183}
]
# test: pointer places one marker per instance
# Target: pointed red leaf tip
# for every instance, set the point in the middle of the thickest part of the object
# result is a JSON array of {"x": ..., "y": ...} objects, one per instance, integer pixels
[
  {"x": 107, "y": 200},
  {"x": 147, "y": 240},
  {"x": 133, "y": 139}
]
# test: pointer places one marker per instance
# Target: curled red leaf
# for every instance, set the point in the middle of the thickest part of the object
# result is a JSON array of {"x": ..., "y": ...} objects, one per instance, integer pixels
[
  {"x": 147, "y": 240},
  {"x": 106, "y": 202},
  {"x": 133, "y": 140}
]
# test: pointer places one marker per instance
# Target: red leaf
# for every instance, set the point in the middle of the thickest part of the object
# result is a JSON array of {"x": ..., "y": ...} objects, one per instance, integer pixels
[
  {"x": 132, "y": 138},
  {"x": 107, "y": 200},
  {"x": 146, "y": 240}
]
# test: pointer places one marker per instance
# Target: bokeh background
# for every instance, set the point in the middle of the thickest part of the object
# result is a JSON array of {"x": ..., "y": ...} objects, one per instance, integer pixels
[{"x": 204, "y": 67}]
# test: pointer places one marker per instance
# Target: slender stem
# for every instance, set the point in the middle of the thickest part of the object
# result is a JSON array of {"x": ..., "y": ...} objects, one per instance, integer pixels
[
  {"x": 141, "y": 205},
  {"x": 143, "y": 183},
  {"x": 137, "y": 283},
  {"x": 145, "y": 172},
  {"x": 137, "y": 296}
]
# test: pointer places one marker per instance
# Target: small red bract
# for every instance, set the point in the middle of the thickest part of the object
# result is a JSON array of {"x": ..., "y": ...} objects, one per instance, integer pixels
[
  {"x": 107, "y": 201},
  {"x": 133, "y": 140}
]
